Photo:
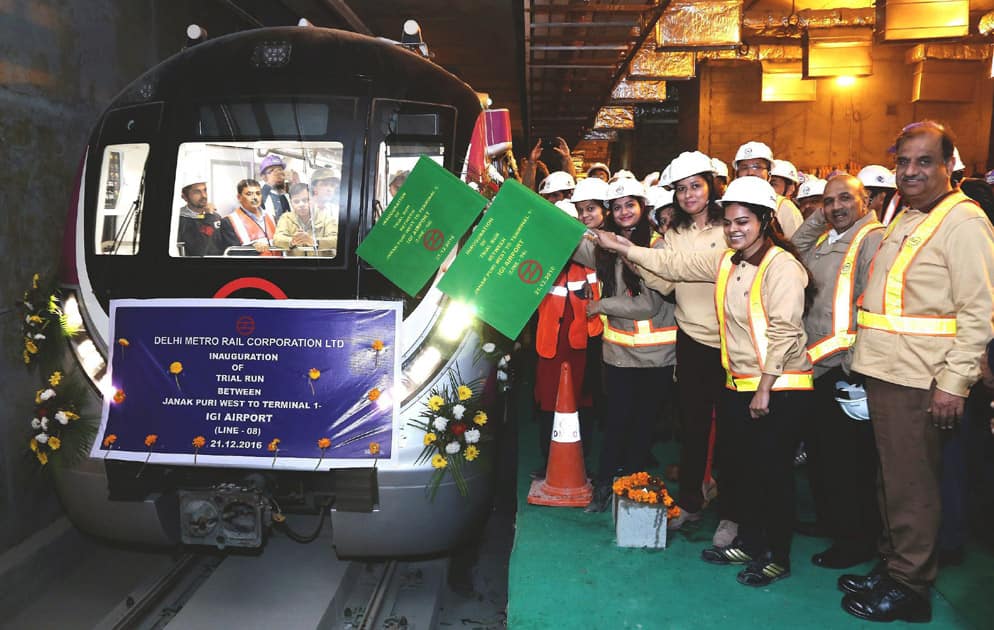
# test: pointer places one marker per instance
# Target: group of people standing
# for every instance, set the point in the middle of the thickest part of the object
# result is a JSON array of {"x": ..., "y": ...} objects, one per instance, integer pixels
[{"x": 862, "y": 339}]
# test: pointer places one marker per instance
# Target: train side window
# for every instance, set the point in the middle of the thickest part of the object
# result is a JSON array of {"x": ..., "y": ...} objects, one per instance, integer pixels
[
  {"x": 302, "y": 199},
  {"x": 120, "y": 199}
]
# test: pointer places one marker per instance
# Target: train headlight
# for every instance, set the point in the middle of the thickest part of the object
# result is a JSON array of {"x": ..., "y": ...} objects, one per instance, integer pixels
[{"x": 456, "y": 319}]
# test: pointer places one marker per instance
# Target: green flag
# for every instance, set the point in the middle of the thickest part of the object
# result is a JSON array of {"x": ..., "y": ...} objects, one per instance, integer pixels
[
  {"x": 513, "y": 256},
  {"x": 430, "y": 213}
]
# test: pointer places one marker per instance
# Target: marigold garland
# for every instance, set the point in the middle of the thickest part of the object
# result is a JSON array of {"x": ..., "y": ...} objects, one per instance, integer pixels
[{"x": 642, "y": 487}]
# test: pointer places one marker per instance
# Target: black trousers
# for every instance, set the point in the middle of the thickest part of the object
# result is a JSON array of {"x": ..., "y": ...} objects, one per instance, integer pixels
[
  {"x": 842, "y": 468},
  {"x": 761, "y": 456},
  {"x": 700, "y": 383},
  {"x": 632, "y": 397}
]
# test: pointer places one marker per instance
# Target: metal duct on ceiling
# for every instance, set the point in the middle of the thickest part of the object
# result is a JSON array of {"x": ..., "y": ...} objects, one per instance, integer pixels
[
  {"x": 643, "y": 91},
  {"x": 700, "y": 23}
]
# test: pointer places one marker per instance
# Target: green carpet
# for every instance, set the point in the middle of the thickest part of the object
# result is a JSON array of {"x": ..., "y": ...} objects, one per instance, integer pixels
[{"x": 566, "y": 572}]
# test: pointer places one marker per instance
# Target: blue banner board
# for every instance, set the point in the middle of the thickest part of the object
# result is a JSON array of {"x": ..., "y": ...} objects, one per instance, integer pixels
[{"x": 285, "y": 384}]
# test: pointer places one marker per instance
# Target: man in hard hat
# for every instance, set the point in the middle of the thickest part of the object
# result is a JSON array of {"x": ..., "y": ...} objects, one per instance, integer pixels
[
  {"x": 275, "y": 200},
  {"x": 557, "y": 186},
  {"x": 924, "y": 322},
  {"x": 756, "y": 159},
  {"x": 599, "y": 170},
  {"x": 842, "y": 458},
  {"x": 809, "y": 196},
  {"x": 784, "y": 178},
  {"x": 199, "y": 223},
  {"x": 720, "y": 175},
  {"x": 879, "y": 183}
]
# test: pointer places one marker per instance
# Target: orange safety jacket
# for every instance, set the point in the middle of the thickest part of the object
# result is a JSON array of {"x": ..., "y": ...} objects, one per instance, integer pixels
[
  {"x": 758, "y": 324},
  {"x": 566, "y": 291},
  {"x": 894, "y": 319},
  {"x": 843, "y": 330},
  {"x": 248, "y": 230}
]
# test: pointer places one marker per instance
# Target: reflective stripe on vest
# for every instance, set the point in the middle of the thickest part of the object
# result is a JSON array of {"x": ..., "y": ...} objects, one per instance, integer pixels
[
  {"x": 893, "y": 319},
  {"x": 645, "y": 334},
  {"x": 758, "y": 323},
  {"x": 843, "y": 331},
  {"x": 250, "y": 231}
]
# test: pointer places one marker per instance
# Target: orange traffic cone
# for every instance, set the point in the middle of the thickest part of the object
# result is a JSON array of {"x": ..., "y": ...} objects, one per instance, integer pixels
[{"x": 565, "y": 482}]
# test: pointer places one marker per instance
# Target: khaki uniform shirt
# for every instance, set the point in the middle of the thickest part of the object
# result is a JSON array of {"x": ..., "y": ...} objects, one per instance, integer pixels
[
  {"x": 624, "y": 310},
  {"x": 324, "y": 230},
  {"x": 951, "y": 275},
  {"x": 788, "y": 215},
  {"x": 824, "y": 261},
  {"x": 782, "y": 291},
  {"x": 695, "y": 312}
]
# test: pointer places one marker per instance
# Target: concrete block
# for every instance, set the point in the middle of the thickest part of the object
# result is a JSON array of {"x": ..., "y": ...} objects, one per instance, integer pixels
[{"x": 639, "y": 524}]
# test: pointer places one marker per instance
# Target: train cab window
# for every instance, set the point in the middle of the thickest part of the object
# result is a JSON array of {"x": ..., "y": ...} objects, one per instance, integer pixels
[
  {"x": 394, "y": 163},
  {"x": 246, "y": 198},
  {"x": 120, "y": 199}
]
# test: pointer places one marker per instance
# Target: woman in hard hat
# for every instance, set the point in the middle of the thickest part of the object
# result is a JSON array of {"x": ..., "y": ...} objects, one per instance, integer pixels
[
  {"x": 638, "y": 342},
  {"x": 557, "y": 186},
  {"x": 760, "y": 293}
]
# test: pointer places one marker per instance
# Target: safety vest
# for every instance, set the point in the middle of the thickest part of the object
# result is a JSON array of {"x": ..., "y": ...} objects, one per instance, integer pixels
[
  {"x": 843, "y": 331},
  {"x": 248, "y": 230},
  {"x": 894, "y": 319},
  {"x": 758, "y": 325},
  {"x": 550, "y": 311}
]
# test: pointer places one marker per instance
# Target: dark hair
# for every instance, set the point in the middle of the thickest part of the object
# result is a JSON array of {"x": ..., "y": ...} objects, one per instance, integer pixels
[
  {"x": 296, "y": 189},
  {"x": 682, "y": 219},
  {"x": 924, "y": 126},
  {"x": 770, "y": 227},
  {"x": 607, "y": 260},
  {"x": 245, "y": 183}
]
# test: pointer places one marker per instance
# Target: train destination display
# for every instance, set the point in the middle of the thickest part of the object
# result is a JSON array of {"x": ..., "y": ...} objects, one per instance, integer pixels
[{"x": 287, "y": 384}]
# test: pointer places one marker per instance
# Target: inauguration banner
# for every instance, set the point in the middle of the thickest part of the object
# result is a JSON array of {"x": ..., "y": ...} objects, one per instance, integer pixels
[
  {"x": 285, "y": 384},
  {"x": 513, "y": 256},
  {"x": 430, "y": 213}
]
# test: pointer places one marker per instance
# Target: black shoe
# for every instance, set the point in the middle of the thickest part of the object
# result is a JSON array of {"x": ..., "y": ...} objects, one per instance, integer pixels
[
  {"x": 600, "y": 501},
  {"x": 841, "y": 558},
  {"x": 538, "y": 473},
  {"x": 951, "y": 557},
  {"x": 890, "y": 601},
  {"x": 856, "y": 584},
  {"x": 732, "y": 554},
  {"x": 763, "y": 572},
  {"x": 811, "y": 528}
]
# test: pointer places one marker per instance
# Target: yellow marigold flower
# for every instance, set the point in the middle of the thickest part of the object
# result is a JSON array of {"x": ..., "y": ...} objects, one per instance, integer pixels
[
  {"x": 151, "y": 439},
  {"x": 324, "y": 443},
  {"x": 314, "y": 374},
  {"x": 42, "y": 457},
  {"x": 435, "y": 403},
  {"x": 464, "y": 392},
  {"x": 30, "y": 346},
  {"x": 199, "y": 441},
  {"x": 34, "y": 445},
  {"x": 124, "y": 343},
  {"x": 471, "y": 452},
  {"x": 27, "y": 358},
  {"x": 71, "y": 415},
  {"x": 54, "y": 443},
  {"x": 377, "y": 345},
  {"x": 34, "y": 281},
  {"x": 38, "y": 396},
  {"x": 35, "y": 319},
  {"x": 439, "y": 462},
  {"x": 175, "y": 367},
  {"x": 274, "y": 445},
  {"x": 373, "y": 394},
  {"x": 55, "y": 378},
  {"x": 119, "y": 396},
  {"x": 110, "y": 439},
  {"x": 374, "y": 448},
  {"x": 480, "y": 418}
]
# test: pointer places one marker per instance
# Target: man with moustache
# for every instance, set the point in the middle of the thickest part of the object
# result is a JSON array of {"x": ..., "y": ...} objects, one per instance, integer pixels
[
  {"x": 199, "y": 223},
  {"x": 248, "y": 224},
  {"x": 842, "y": 458},
  {"x": 755, "y": 159},
  {"x": 924, "y": 322}
]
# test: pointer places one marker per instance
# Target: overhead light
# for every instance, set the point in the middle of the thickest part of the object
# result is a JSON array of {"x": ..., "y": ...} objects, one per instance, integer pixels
[{"x": 845, "y": 81}]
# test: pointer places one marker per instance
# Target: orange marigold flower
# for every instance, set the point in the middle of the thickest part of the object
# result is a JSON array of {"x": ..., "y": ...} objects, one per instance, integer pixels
[
  {"x": 324, "y": 443},
  {"x": 274, "y": 445},
  {"x": 199, "y": 441},
  {"x": 374, "y": 448},
  {"x": 110, "y": 439},
  {"x": 314, "y": 374},
  {"x": 151, "y": 439},
  {"x": 373, "y": 394},
  {"x": 175, "y": 367},
  {"x": 377, "y": 345},
  {"x": 119, "y": 396},
  {"x": 124, "y": 343}
]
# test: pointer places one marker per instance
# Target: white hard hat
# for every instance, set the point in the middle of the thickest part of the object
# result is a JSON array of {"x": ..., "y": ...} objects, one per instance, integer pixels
[
  {"x": 854, "y": 401},
  {"x": 598, "y": 165},
  {"x": 720, "y": 168},
  {"x": 751, "y": 150},
  {"x": 567, "y": 206},
  {"x": 555, "y": 182},
  {"x": 664, "y": 177},
  {"x": 625, "y": 187},
  {"x": 590, "y": 189},
  {"x": 651, "y": 179},
  {"x": 876, "y": 176},
  {"x": 783, "y": 168},
  {"x": 812, "y": 187},
  {"x": 622, "y": 174},
  {"x": 750, "y": 190},
  {"x": 689, "y": 163},
  {"x": 657, "y": 197},
  {"x": 957, "y": 161}
]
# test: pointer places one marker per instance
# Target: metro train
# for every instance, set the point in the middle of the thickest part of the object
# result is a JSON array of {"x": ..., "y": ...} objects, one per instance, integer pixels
[{"x": 358, "y": 110}]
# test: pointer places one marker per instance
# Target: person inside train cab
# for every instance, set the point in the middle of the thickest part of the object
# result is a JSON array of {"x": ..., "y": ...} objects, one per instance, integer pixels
[
  {"x": 275, "y": 200},
  {"x": 199, "y": 223},
  {"x": 248, "y": 224},
  {"x": 307, "y": 230}
]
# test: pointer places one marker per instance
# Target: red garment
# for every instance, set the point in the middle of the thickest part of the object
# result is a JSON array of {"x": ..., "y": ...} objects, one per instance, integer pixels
[{"x": 547, "y": 370}]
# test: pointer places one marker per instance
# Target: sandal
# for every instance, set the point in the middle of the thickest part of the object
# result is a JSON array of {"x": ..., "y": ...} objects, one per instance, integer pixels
[
  {"x": 763, "y": 573},
  {"x": 732, "y": 554}
]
